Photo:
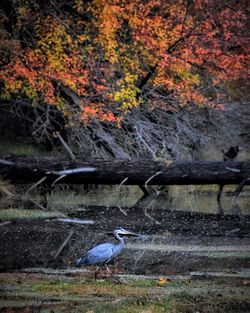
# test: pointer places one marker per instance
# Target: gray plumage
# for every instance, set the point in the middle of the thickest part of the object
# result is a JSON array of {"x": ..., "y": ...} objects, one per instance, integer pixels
[{"x": 104, "y": 253}]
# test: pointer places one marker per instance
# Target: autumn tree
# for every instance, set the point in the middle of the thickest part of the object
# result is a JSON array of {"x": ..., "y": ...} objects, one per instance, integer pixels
[{"x": 100, "y": 58}]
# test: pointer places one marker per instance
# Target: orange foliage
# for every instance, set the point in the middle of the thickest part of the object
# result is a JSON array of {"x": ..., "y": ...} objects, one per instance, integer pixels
[{"x": 103, "y": 58}]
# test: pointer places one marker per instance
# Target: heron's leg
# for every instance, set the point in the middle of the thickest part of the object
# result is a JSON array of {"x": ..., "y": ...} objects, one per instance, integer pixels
[
  {"x": 96, "y": 272},
  {"x": 113, "y": 276},
  {"x": 107, "y": 268},
  {"x": 116, "y": 267}
]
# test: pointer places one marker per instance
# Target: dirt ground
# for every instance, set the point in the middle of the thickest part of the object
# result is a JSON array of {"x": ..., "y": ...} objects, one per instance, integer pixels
[{"x": 77, "y": 291}]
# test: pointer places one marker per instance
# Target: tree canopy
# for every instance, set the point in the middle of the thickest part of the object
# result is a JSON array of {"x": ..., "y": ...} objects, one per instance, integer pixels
[{"x": 105, "y": 57}]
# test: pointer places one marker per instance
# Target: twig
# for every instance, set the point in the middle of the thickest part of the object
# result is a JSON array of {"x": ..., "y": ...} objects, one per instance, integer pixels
[
  {"x": 36, "y": 184},
  {"x": 124, "y": 180},
  {"x": 138, "y": 258},
  {"x": 4, "y": 162},
  {"x": 64, "y": 173},
  {"x": 150, "y": 178},
  {"x": 67, "y": 148},
  {"x": 37, "y": 204},
  {"x": 123, "y": 211},
  {"x": 5, "y": 223},
  {"x": 235, "y": 170},
  {"x": 150, "y": 217},
  {"x": 6, "y": 192},
  {"x": 57, "y": 180},
  {"x": 73, "y": 220},
  {"x": 73, "y": 171},
  {"x": 64, "y": 243}
]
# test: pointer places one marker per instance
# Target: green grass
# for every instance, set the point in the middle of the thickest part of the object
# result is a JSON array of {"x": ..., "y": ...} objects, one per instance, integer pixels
[
  {"x": 134, "y": 306},
  {"x": 9, "y": 214},
  {"x": 132, "y": 297},
  {"x": 104, "y": 195},
  {"x": 79, "y": 294}
]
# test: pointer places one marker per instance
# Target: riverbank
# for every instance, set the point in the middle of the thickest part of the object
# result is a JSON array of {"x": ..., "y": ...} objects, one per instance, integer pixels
[{"x": 57, "y": 291}]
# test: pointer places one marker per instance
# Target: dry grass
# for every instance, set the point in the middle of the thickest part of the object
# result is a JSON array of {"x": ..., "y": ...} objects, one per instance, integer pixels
[
  {"x": 60, "y": 293},
  {"x": 6, "y": 189}
]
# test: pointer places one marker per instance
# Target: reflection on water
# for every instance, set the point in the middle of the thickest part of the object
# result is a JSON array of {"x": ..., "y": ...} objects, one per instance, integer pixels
[
  {"x": 184, "y": 198},
  {"x": 203, "y": 199}
]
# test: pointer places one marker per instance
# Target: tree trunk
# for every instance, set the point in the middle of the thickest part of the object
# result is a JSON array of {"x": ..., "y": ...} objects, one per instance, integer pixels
[{"x": 29, "y": 169}]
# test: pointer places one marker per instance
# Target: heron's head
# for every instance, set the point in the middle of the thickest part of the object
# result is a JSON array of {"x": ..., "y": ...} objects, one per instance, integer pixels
[{"x": 121, "y": 231}]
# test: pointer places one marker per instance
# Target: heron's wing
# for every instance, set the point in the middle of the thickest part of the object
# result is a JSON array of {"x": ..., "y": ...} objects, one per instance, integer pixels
[{"x": 98, "y": 255}]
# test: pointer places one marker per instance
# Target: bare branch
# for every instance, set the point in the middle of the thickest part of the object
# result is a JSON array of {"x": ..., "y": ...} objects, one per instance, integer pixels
[
  {"x": 150, "y": 178},
  {"x": 64, "y": 243},
  {"x": 67, "y": 148},
  {"x": 36, "y": 184},
  {"x": 73, "y": 171},
  {"x": 5, "y": 162},
  {"x": 57, "y": 180}
]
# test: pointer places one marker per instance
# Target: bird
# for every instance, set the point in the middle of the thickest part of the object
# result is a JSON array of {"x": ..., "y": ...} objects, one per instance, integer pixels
[{"x": 104, "y": 253}]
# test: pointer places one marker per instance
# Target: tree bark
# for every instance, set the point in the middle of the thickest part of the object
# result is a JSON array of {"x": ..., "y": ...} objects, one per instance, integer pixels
[{"x": 29, "y": 169}]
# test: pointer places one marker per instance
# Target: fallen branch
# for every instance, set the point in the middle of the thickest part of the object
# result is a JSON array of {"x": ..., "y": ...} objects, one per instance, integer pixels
[{"x": 144, "y": 172}]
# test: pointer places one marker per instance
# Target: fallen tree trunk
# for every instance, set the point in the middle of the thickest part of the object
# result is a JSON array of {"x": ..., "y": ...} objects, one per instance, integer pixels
[{"x": 30, "y": 169}]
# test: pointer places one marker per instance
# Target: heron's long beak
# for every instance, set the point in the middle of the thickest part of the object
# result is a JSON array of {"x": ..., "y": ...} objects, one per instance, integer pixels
[{"x": 130, "y": 233}]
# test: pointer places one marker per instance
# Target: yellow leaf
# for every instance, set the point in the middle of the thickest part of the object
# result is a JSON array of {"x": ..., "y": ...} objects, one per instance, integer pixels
[{"x": 162, "y": 281}]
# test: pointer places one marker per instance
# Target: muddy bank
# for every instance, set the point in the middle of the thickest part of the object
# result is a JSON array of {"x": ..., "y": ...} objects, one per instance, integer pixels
[
  {"x": 177, "y": 242},
  {"x": 158, "y": 221}
]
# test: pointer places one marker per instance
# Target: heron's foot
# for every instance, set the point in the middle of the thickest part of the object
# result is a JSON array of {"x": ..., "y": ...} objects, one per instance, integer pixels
[
  {"x": 113, "y": 276},
  {"x": 117, "y": 280}
]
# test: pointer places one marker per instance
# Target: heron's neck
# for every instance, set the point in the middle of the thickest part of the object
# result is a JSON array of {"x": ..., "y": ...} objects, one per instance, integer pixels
[{"x": 120, "y": 239}]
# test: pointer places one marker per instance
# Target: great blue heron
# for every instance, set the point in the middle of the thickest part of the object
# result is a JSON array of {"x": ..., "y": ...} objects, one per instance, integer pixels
[{"x": 104, "y": 253}]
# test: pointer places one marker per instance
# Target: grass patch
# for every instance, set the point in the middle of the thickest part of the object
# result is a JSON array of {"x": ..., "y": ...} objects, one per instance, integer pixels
[
  {"x": 103, "y": 195},
  {"x": 67, "y": 294},
  {"x": 143, "y": 283},
  {"x": 9, "y": 214},
  {"x": 134, "y": 306},
  {"x": 107, "y": 289}
]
